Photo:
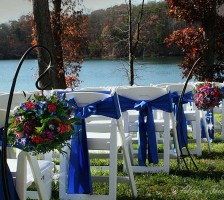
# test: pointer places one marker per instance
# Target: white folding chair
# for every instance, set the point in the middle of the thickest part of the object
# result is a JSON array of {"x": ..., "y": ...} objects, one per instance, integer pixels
[
  {"x": 26, "y": 169},
  {"x": 99, "y": 141},
  {"x": 162, "y": 125},
  {"x": 193, "y": 115}
]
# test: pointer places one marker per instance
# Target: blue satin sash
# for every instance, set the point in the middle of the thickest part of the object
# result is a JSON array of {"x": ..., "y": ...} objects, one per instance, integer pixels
[
  {"x": 13, "y": 192},
  {"x": 147, "y": 136},
  {"x": 79, "y": 176},
  {"x": 180, "y": 117}
]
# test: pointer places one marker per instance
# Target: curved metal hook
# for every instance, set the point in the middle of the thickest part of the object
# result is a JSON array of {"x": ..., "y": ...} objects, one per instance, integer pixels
[
  {"x": 44, "y": 73},
  {"x": 180, "y": 109},
  {"x": 4, "y": 173}
]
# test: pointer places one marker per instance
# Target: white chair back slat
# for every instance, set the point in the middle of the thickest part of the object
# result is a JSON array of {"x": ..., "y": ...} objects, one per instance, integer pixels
[
  {"x": 141, "y": 92},
  {"x": 86, "y": 98}
]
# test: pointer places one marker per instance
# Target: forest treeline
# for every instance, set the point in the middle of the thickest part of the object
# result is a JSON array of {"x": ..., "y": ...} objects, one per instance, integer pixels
[{"x": 107, "y": 33}]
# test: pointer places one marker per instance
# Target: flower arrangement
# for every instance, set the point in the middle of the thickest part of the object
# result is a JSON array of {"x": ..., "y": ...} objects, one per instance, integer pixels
[
  {"x": 207, "y": 96},
  {"x": 41, "y": 124}
]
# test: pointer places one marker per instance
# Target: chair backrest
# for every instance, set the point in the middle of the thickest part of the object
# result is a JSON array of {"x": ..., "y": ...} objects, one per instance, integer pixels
[
  {"x": 2, "y": 117},
  {"x": 141, "y": 92},
  {"x": 18, "y": 98},
  {"x": 179, "y": 87},
  {"x": 220, "y": 85},
  {"x": 95, "y": 88},
  {"x": 86, "y": 98},
  {"x": 4, "y": 100}
]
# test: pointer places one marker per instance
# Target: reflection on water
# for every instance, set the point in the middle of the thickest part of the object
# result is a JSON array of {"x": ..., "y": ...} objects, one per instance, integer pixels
[
  {"x": 98, "y": 73},
  {"x": 147, "y": 72}
]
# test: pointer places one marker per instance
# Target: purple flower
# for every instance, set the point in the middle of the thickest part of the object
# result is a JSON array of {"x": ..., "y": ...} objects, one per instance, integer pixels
[
  {"x": 48, "y": 135},
  {"x": 28, "y": 127}
]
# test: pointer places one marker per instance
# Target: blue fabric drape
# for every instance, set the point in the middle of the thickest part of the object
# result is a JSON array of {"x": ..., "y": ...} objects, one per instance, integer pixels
[
  {"x": 13, "y": 192},
  {"x": 79, "y": 176},
  {"x": 180, "y": 117},
  {"x": 147, "y": 136},
  {"x": 222, "y": 92},
  {"x": 79, "y": 179},
  {"x": 209, "y": 117}
]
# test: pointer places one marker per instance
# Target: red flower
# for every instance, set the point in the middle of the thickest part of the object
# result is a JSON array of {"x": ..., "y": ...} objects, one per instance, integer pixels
[
  {"x": 52, "y": 108},
  {"x": 29, "y": 105},
  {"x": 37, "y": 139},
  {"x": 62, "y": 128}
]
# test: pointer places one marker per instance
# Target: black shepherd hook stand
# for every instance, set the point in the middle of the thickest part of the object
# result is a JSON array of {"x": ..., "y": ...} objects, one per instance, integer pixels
[
  {"x": 3, "y": 160},
  {"x": 179, "y": 112}
]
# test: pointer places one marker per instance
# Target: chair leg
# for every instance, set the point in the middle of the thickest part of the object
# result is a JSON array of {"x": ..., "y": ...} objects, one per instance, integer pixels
[
  {"x": 41, "y": 188},
  {"x": 207, "y": 135},
  {"x": 166, "y": 144},
  {"x": 127, "y": 160},
  {"x": 21, "y": 176},
  {"x": 113, "y": 164}
]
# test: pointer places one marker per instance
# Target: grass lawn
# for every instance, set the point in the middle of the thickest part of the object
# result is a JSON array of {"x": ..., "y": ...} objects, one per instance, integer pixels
[{"x": 205, "y": 183}]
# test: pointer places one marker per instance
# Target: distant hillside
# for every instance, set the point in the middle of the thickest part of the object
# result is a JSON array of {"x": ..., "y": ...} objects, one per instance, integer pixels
[{"x": 107, "y": 33}]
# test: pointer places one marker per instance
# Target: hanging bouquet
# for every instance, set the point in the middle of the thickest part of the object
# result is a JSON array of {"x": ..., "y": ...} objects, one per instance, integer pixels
[
  {"x": 207, "y": 96},
  {"x": 41, "y": 124}
]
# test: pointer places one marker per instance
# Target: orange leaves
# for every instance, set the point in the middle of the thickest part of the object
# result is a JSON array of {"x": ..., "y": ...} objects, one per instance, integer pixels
[{"x": 191, "y": 11}]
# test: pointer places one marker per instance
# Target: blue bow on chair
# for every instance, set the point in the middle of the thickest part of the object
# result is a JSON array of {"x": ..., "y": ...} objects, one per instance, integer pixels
[
  {"x": 147, "y": 136},
  {"x": 79, "y": 177}
]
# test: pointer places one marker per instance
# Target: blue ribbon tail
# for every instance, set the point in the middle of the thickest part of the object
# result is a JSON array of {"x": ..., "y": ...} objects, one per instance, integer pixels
[
  {"x": 203, "y": 134},
  {"x": 79, "y": 177},
  {"x": 210, "y": 119},
  {"x": 142, "y": 141},
  {"x": 12, "y": 189},
  {"x": 182, "y": 130},
  {"x": 152, "y": 143}
]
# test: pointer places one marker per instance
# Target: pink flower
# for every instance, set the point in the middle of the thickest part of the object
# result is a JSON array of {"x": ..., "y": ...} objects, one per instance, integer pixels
[{"x": 20, "y": 135}]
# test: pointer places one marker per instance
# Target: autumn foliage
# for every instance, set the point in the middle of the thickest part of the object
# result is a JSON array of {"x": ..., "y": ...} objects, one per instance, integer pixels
[
  {"x": 203, "y": 37},
  {"x": 69, "y": 27}
]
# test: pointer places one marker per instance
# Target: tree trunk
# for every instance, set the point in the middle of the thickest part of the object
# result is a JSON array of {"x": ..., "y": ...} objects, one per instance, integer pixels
[
  {"x": 210, "y": 35},
  {"x": 130, "y": 40},
  {"x": 133, "y": 41},
  {"x": 56, "y": 28},
  {"x": 44, "y": 37}
]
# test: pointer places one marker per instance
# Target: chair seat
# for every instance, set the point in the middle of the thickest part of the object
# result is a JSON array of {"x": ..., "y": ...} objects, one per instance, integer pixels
[
  {"x": 101, "y": 141},
  {"x": 93, "y": 126},
  {"x": 44, "y": 166}
]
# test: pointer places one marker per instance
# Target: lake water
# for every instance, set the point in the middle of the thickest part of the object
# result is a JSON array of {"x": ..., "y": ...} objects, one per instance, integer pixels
[{"x": 97, "y": 73}]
